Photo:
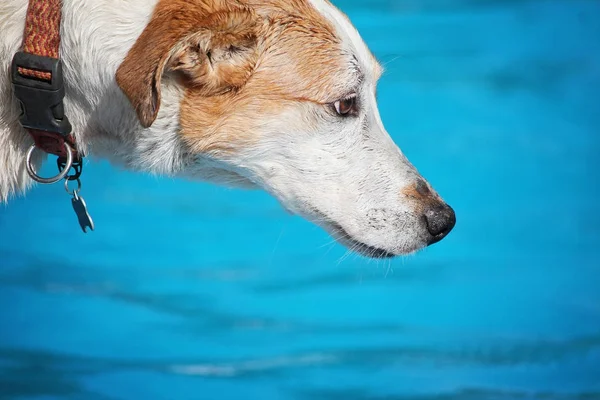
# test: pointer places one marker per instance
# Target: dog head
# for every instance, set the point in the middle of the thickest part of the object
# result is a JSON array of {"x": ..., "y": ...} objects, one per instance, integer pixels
[{"x": 282, "y": 93}]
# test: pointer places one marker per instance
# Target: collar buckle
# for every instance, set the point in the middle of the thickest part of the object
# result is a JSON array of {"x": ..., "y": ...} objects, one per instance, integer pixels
[{"x": 41, "y": 99}]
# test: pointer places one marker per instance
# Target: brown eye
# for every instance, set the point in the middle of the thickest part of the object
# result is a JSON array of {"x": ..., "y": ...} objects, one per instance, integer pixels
[{"x": 346, "y": 106}]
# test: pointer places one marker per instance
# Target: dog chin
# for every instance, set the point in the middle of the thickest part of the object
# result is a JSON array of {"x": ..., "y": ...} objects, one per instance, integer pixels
[
  {"x": 345, "y": 239},
  {"x": 364, "y": 249},
  {"x": 359, "y": 247},
  {"x": 356, "y": 245}
]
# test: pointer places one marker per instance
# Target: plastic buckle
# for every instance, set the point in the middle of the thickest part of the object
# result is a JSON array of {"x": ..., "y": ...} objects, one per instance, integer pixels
[{"x": 41, "y": 101}]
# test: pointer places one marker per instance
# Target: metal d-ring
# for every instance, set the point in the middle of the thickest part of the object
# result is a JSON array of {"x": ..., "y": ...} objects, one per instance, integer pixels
[
  {"x": 74, "y": 191},
  {"x": 55, "y": 178}
]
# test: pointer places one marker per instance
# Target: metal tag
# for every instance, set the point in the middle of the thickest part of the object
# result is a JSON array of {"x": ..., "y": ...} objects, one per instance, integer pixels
[{"x": 83, "y": 216}]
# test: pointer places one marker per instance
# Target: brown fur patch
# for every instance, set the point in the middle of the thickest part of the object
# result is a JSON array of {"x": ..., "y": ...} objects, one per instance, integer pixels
[
  {"x": 281, "y": 52},
  {"x": 422, "y": 193},
  {"x": 299, "y": 60},
  {"x": 213, "y": 50},
  {"x": 221, "y": 56},
  {"x": 418, "y": 191}
]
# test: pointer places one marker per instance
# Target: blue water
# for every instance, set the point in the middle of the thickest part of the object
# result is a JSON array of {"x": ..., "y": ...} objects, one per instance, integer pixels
[{"x": 192, "y": 291}]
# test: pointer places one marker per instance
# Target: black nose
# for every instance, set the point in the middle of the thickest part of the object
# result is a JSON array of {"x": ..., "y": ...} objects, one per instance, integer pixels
[{"x": 440, "y": 221}]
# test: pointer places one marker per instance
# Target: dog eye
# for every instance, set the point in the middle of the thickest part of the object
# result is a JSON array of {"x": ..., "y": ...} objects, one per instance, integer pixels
[{"x": 346, "y": 106}]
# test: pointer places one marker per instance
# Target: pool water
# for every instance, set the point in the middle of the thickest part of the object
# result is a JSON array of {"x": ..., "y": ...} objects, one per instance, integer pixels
[{"x": 193, "y": 291}]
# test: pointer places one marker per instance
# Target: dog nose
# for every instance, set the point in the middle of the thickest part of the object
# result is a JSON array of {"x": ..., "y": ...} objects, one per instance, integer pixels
[{"x": 440, "y": 221}]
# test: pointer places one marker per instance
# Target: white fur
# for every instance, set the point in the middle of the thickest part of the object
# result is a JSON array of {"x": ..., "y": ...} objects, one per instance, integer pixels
[{"x": 345, "y": 174}]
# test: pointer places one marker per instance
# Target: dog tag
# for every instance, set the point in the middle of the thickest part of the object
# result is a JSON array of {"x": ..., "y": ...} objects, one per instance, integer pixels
[{"x": 83, "y": 216}]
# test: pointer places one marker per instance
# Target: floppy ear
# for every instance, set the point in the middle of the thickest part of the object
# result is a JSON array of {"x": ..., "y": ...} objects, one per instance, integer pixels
[{"x": 213, "y": 53}]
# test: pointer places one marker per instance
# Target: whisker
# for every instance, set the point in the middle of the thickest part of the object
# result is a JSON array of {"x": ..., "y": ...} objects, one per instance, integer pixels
[
  {"x": 386, "y": 63},
  {"x": 389, "y": 269}
]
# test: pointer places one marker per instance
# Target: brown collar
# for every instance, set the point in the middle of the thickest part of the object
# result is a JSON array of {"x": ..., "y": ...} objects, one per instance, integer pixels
[
  {"x": 38, "y": 81},
  {"x": 38, "y": 85}
]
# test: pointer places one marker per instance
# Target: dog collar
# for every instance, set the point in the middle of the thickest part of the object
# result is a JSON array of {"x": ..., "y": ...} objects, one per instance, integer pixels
[{"x": 39, "y": 86}]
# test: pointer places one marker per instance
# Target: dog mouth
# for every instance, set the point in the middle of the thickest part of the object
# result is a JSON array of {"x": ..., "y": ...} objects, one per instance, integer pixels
[
  {"x": 358, "y": 246},
  {"x": 342, "y": 236}
]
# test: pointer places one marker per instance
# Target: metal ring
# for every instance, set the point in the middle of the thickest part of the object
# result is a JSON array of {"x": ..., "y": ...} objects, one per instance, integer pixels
[
  {"x": 75, "y": 191},
  {"x": 53, "y": 179}
]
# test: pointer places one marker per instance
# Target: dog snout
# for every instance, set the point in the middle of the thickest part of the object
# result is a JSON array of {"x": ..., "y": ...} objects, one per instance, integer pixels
[{"x": 440, "y": 219}]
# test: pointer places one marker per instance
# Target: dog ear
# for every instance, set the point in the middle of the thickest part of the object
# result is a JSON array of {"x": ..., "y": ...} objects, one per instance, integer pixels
[{"x": 213, "y": 54}]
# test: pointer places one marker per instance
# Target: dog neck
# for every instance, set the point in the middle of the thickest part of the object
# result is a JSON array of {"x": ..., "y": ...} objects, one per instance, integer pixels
[
  {"x": 93, "y": 45},
  {"x": 108, "y": 126}
]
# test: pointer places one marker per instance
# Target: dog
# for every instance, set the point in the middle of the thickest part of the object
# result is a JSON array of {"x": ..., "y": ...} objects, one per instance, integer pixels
[{"x": 276, "y": 94}]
